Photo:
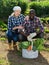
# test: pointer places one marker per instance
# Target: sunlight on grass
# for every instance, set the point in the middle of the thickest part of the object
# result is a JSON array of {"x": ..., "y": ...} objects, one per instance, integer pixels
[
  {"x": 2, "y": 38},
  {"x": 46, "y": 49},
  {"x": 3, "y": 62}
]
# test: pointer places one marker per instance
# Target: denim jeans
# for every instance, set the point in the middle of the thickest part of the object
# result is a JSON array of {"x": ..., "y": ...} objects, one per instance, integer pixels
[
  {"x": 15, "y": 36},
  {"x": 12, "y": 36},
  {"x": 19, "y": 37}
]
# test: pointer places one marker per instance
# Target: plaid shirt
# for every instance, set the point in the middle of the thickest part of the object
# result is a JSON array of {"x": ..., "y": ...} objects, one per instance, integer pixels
[
  {"x": 13, "y": 21},
  {"x": 33, "y": 25}
]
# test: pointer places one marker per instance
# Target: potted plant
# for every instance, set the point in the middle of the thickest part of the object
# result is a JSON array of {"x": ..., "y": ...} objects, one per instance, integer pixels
[{"x": 31, "y": 47}]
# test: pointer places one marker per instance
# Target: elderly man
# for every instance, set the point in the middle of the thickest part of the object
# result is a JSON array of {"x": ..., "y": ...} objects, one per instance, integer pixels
[{"x": 14, "y": 25}]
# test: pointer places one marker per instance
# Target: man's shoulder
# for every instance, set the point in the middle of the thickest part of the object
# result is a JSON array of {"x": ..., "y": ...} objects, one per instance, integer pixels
[{"x": 37, "y": 19}]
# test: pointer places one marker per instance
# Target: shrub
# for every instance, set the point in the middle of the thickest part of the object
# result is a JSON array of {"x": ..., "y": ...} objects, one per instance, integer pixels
[
  {"x": 41, "y": 8},
  {"x": 3, "y": 25},
  {"x": 46, "y": 30},
  {"x": 6, "y": 7},
  {"x": 23, "y": 5},
  {"x": 38, "y": 44},
  {"x": 45, "y": 20}
]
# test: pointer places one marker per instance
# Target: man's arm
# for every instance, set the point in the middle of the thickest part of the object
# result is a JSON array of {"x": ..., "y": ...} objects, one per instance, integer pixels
[{"x": 40, "y": 27}]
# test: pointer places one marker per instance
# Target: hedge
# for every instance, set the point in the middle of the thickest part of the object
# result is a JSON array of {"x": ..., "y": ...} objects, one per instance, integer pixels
[
  {"x": 45, "y": 20},
  {"x": 3, "y": 26},
  {"x": 41, "y": 8},
  {"x": 6, "y": 7}
]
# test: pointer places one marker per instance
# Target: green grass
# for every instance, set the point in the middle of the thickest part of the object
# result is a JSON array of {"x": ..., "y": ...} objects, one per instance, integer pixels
[
  {"x": 2, "y": 39},
  {"x": 46, "y": 29},
  {"x": 3, "y": 61},
  {"x": 45, "y": 49}
]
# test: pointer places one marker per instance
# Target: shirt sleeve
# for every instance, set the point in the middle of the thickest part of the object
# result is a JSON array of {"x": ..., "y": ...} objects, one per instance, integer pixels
[
  {"x": 23, "y": 17},
  {"x": 40, "y": 26},
  {"x": 9, "y": 24},
  {"x": 24, "y": 23}
]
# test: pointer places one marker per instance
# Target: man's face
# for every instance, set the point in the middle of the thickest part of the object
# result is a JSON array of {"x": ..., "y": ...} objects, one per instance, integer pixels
[
  {"x": 17, "y": 12},
  {"x": 32, "y": 15}
]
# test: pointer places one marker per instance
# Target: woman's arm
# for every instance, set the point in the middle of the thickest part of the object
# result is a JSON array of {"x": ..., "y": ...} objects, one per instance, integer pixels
[
  {"x": 18, "y": 27},
  {"x": 9, "y": 24}
]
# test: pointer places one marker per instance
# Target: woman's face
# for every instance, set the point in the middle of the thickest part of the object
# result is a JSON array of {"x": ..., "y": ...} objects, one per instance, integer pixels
[{"x": 17, "y": 13}]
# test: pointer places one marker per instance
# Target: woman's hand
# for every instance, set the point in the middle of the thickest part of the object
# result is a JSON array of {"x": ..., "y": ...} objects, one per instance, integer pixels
[
  {"x": 18, "y": 27},
  {"x": 14, "y": 28}
]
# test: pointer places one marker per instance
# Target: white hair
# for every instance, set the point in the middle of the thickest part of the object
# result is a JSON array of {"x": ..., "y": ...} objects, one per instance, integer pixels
[{"x": 16, "y": 8}]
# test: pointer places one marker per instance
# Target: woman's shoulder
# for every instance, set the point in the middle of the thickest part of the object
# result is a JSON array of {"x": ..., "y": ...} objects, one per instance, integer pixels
[
  {"x": 21, "y": 15},
  {"x": 11, "y": 17}
]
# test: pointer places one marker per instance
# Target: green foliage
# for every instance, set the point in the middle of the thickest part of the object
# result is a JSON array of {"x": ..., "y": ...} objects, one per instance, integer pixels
[
  {"x": 37, "y": 44},
  {"x": 3, "y": 61},
  {"x": 3, "y": 25},
  {"x": 46, "y": 30},
  {"x": 6, "y": 7},
  {"x": 23, "y": 5},
  {"x": 45, "y": 20},
  {"x": 24, "y": 45},
  {"x": 41, "y": 8},
  {"x": 39, "y": 0},
  {"x": 33, "y": 0}
]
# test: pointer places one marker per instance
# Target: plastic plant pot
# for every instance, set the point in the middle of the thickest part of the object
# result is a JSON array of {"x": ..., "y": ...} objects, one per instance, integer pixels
[{"x": 29, "y": 54}]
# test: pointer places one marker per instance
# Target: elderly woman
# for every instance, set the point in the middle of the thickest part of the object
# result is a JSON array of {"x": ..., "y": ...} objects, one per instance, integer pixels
[{"x": 14, "y": 25}]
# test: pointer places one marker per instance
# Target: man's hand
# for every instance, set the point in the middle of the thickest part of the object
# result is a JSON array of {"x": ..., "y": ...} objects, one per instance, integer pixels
[
  {"x": 29, "y": 38},
  {"x": 26, "y": 18},
  {"x": 18, "y": 27}
]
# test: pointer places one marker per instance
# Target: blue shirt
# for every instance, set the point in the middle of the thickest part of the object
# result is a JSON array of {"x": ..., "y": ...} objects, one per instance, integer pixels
[{"x": 13, "y": 21}]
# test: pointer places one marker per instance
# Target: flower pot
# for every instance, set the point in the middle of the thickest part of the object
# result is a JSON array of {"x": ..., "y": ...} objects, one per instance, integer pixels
[{"x": 29, "y": 54}]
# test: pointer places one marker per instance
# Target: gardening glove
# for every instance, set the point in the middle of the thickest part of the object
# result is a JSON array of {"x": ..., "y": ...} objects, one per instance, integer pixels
[
  {"x": 29, "y": 38},
  {"x": 32, "y": 35}
]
